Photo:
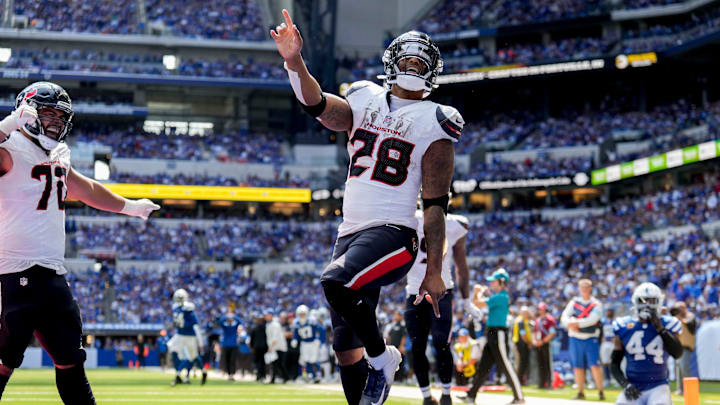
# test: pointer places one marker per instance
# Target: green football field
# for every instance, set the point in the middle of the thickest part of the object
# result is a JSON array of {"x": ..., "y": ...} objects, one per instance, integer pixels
[{"x": 151, "y": 388}]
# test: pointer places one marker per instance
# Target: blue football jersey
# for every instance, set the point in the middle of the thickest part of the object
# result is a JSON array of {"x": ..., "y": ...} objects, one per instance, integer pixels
[
  {"x": 320, "y": 332},
  {"x": 608, "y": 330},
  {"x": 305, "y": 331},
  {"x": 644, "y": 351},
  {"x": 184, "y": 319}
]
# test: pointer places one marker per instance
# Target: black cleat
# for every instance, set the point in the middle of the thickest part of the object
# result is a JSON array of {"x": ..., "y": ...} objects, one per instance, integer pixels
[
  {"x": 430, "y": 401},
  {"x": 176, "y": 381},
  {"x": 601, "y": 396},
  {"x": 579, "y": 395},
  {"x": 516, "y": 401},
  {"x": 445, "y": 399},
  {"x": 469, "y": 400},
  {"x": 204, "y": 378}
]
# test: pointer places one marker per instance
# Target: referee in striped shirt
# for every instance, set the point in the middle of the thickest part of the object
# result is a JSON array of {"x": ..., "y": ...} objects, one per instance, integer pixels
[{"x": 495, "y": 351}]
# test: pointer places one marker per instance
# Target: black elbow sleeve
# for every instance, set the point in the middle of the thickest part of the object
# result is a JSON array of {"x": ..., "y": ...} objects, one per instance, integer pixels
[
  {"x": 317, "y": 109},
  {"x": 615, "y": 361},
  {"x": 672, "y": 344}
]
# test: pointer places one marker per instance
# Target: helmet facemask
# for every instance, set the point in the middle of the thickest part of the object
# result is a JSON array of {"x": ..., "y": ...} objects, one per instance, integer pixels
[
  {"x": 647, "y": 300},
  {"x": 50, "y": 129},
  {"x": 406, "y": 72}
]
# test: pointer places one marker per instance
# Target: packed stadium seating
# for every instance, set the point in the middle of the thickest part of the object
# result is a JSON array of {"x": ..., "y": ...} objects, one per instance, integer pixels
[
  {"x": 104, "y": 16},
  {"x": 542, "y": 167},
  {"x": 616, "y": 251},
  {"x": 230, "y": 146},
  {"x": 457, "y": 15},
  {"x": 216, "y": 19},
  {"x": 89, "y": 60}
]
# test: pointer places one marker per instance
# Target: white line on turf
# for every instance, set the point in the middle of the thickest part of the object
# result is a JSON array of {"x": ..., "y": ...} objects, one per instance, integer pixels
[
  {"x": 189, "y": 400},
  {"x": 239, "y": 393}
]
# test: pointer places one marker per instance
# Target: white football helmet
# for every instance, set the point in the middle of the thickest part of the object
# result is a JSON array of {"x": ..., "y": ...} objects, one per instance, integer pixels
[
  {"x": 302, "y": 311},
  {"x": 180, "y": 296},
  {"x": 647, "y": 299}
]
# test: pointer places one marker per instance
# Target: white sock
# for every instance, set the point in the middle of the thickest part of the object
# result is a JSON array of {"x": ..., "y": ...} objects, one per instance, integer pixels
[
  {"x": 425, "y": 391},
  {"x": 446, "y": 389},
  {"x": 380, "y": 361}
]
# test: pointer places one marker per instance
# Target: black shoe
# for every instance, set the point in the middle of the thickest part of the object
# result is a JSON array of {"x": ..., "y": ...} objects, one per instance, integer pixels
[
  {"x": 430, "y": 401},
  {"x": 176, "y": 381},
  {"x": 445, "y": 399},
  {"x": 579, "y": 395},
  {"x": 204, "y": 378},
  {"x": 469, "y": 400},
  {"x": 601, "y": 396},
  {"x": 516, "y": 401}
]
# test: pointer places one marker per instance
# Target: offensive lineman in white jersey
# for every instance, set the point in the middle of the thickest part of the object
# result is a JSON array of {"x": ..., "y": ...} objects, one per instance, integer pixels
[
  {"x": 35, "y": 179},
  {"x": 398, "y": 142},
  {"x": 418, "y": 312}
]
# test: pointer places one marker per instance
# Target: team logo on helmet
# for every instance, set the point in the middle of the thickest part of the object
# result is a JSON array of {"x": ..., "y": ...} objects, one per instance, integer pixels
[
  {"x": 23, "y": 281},
  {"x": 30, "y": 94}
]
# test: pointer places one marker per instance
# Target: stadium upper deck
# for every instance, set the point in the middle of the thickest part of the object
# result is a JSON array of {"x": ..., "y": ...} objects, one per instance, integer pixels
[{"x": 215, "y": 19}]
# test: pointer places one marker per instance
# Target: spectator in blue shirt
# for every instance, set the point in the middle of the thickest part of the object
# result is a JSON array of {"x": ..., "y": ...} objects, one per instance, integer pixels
[
  {"x": 162, "y": 348},
  {"x": 229, "y": 348}
]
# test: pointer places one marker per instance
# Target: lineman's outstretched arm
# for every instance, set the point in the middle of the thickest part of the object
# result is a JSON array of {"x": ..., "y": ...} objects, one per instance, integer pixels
[
  {"x": 100, "y": 197},
  {"x": 332, "y": 111}
]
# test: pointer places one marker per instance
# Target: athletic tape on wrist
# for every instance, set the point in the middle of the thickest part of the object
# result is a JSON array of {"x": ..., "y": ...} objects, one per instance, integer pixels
[{"x": 295, "y": 84}]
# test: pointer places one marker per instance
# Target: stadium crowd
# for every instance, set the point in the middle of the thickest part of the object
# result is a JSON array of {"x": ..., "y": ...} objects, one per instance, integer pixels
[
  {"x": 184, "y": 242},
  {"x": 458, "y": 15},
  {"x": 614, "y": 252},
  {"x": 90, "y": 60},
  {"x": 101, "y": 17},
  {"x": 216, "y": 19},
  {"x": 231, "y": 146}
]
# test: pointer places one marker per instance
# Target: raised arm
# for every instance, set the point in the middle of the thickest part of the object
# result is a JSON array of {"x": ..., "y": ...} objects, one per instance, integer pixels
[
  {"x": 100, "y": 197},
  {"x": 332, "y": 111},
  {"x": 437, "y": 171}
]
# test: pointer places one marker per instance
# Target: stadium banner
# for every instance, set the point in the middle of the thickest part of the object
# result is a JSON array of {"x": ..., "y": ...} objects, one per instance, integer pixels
[
  {"x": 619, "y": 62},
  {"x": 580, "y": 179},
  {"x": 211, "y": 193},
  {"x": 663, "y": 161}
]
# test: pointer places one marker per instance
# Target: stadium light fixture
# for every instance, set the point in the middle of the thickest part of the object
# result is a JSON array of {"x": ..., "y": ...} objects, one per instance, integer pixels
[
  {"x": 170, "y": 62},
  {"x": 5, "y": 54}
]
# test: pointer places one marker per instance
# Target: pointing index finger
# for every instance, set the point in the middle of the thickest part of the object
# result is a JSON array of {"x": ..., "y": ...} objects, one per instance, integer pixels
[
  {"x": 288, "y": 20},
  {"x": 436, "y": 307}
]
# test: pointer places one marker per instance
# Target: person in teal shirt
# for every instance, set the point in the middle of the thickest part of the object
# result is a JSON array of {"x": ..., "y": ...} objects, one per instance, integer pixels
[{"x": 495, "y": 351}]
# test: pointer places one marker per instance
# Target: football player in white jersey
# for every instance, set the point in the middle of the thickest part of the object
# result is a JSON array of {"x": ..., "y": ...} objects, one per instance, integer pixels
[
  {"x": 35, "y": 179},
  {"x": 419, "y": 318},
  {"x": 398, "y": 143}
]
